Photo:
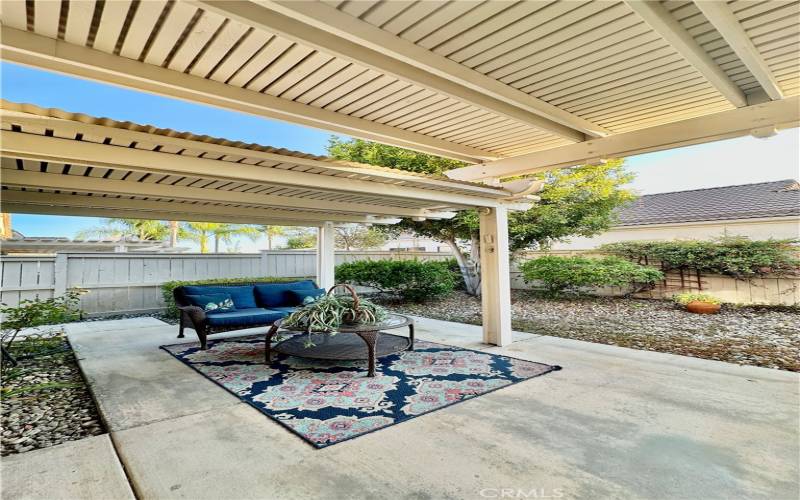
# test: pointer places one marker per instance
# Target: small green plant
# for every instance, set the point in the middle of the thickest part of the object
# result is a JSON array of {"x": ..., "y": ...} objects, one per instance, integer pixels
[
  {"x": 36, "y": 312},
  {"x": 8, "y": 392},
  {"x": 169, "y": 286},
  {"x": 329, "y": 312},
  {"x": 685, "y": 298},
  {"x": 560, "y": 274},
  {"x": 413, "y": 280}
]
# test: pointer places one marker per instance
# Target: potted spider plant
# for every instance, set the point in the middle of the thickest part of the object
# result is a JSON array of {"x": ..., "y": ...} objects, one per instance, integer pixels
[
  {"x": 698, "y": 303},
  {"x": 330, "y": 311}
]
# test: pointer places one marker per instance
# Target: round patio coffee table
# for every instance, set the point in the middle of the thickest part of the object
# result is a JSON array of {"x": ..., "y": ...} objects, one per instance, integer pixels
[{"x": 351, "y": 342}]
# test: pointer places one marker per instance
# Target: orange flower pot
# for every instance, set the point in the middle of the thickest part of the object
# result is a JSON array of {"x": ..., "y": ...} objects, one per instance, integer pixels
[{"x": 698, "y": 307}]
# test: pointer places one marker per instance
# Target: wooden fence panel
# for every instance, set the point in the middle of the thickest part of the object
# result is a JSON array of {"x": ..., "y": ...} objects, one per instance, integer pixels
[
  {"x": 23, "y": 278},
  {"x": 129, "y": 282}
]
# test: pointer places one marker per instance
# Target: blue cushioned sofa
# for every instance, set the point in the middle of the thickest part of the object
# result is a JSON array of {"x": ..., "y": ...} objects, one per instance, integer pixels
[{"x": 253, "y": 304}]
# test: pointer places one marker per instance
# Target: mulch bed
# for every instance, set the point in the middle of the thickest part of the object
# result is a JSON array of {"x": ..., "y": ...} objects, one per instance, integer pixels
[
  {"x": 758, "y": 336},
  {"x": 45, "y": 400}
]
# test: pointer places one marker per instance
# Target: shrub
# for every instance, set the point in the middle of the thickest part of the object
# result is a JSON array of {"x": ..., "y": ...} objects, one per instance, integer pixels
[
  {"x": 169, "y": 286},
  {"x": 455, "y": 269},
  {"x": 685, "y": 298},
  {"x": 559, "y": 274},
  {"x": 38, "y": 312},
  {"x": 412, "y": 280},
  {"x": 737, "y": 257}
]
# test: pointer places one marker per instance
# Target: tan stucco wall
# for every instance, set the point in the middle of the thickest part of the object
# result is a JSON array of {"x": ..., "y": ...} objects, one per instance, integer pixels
[{"x": 755, "y": 229}]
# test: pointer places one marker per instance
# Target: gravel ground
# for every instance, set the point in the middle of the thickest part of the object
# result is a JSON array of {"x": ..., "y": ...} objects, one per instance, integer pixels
[
  {"x": 743, "y": 335},
  {"x": 45, "y": 400}
]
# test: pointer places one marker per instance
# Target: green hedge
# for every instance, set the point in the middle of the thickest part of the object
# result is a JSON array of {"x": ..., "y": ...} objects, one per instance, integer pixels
[
  {"x": 737, "y": 257},
  {"x": 560, "y": 274},
  {"x": 169, "y": 286},
  {"x": 412, "y": 280}
]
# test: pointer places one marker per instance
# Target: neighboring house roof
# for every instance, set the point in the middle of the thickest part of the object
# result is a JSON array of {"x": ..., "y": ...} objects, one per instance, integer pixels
[{"x": 746, "y": 201}]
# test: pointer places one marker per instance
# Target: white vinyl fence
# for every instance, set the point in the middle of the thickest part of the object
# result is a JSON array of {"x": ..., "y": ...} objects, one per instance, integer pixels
[{"x": 119, "y": 283}]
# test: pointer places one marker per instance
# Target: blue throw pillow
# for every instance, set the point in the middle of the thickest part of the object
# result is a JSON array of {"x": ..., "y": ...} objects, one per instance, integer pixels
[
  {"x": 242, "y": 296},
  {"x": 303, "y": 297},
  {"x": 274, "y": 294},
  {"x": 216, "y": 302}
]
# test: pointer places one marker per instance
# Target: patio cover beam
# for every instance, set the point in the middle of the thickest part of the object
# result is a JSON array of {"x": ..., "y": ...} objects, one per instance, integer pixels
[
  {"x": 724, "y": 125},
  {"x": 178, "y": 210},
  {"x": 59, "y": 150},
  {"x": 67, "y": 128},
  {"x": 26, "y": 208},
  {"x": 329, "y": 29},
  {"x": 721, "y": 17},
  {"x": 97, "y": 185},
  {"x": 662, "y": 22},
  {"x": 29, "y": 49}
]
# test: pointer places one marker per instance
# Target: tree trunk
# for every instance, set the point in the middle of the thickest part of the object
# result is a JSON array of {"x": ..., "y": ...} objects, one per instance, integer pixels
[
  {"x": 203, "y": 243},
  {"x": 216, "y": 243},
  {"x": 469, "y": 270},
  {"x": 173, "y": 233},
  {"x": 269, "y": 241},
  {"x": 5, "y": 226}
]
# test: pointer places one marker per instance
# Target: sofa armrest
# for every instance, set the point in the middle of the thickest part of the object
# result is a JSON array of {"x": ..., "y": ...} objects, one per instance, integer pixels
[{"x": 196, "y": 315}]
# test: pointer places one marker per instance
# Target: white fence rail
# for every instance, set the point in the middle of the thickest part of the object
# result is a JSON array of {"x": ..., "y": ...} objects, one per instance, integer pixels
[{"x": 120, "y": 283}]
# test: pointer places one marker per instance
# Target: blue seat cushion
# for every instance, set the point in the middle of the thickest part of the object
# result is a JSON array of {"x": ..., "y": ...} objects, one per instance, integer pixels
[
  {"x": 242, "y": 296},
  {"x": 220, "y": 302},
  {"x": 299, "y": 297},
  {"x": 244, "y": 317},
  {"x": 273, "y": 295},
  {"x": 286, "y": 310}
]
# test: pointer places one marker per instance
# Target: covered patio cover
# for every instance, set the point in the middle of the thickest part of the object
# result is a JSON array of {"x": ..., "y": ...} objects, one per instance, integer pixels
[
  {"x": 56, "y": 162},
  {"x": 509, "y": 87}
]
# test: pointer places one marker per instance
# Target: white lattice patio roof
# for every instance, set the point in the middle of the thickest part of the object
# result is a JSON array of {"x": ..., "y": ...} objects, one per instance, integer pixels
[
  {"x": 59, "y": 162},
  {"x": 479, "y": 81}
]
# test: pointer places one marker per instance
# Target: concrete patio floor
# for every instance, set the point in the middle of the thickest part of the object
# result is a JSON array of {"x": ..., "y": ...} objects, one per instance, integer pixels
[{"x": 614, "y": 423}]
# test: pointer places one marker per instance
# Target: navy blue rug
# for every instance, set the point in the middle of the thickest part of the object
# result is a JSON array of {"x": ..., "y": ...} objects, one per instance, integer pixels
[{"x": 327, "y": 402}]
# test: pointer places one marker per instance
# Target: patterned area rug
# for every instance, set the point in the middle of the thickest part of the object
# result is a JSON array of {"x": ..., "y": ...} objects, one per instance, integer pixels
[{"x": 327, "y": 402}]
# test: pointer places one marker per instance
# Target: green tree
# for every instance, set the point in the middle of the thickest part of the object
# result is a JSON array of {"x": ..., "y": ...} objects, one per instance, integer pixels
[
  {"x": 301, "y": 238},
  {"x": 373, "y": 153},
  {"x": 579, "y": 201},
  {"x": 142, "y": 229},
  {"x": 271, "y": 232},
  {"x": 352, "y": 236},
  {"x": 204, "y": 232}
]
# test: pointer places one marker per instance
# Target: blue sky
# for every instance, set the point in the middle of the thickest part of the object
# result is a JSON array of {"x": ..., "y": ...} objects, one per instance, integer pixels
[{"x": 735, "y": 161}]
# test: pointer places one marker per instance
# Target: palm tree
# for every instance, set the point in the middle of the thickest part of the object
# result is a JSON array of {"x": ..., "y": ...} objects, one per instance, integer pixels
[
  {"x": 271, "y": 232},
  {"x": 143, "y": 229},
  {"x": 226, "y": 232},
  {"x": 203, "y": 232},
  {"x": 173, "y": 233},
  {"x": 5, "y": 226}
]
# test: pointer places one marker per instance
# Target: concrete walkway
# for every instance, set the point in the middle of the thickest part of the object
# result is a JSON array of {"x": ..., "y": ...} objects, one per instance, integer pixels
[{"x": 614, "y": 423}]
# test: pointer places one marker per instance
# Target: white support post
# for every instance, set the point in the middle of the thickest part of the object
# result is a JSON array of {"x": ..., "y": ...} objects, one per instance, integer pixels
[
  {"x": 495, "y": 279},
  {"x": 326, "y": 263}
]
